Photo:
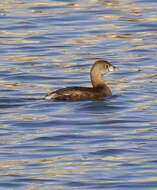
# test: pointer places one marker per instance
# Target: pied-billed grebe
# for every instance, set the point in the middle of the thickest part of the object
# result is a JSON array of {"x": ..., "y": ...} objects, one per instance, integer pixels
[{"x": 98, "y": 91}]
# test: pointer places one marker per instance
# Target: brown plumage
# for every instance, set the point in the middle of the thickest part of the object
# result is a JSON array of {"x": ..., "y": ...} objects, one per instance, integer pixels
[{"x": 97, "y": 92}]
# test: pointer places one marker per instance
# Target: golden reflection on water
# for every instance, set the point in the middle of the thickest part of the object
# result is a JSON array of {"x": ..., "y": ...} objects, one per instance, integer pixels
[
  {"x": 23, "y": 59},
  {"x": 22, "y": 86},
  {"x": 12, "y": 5}
]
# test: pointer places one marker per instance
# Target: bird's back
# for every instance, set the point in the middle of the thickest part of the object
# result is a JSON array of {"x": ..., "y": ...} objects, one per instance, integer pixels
[{"x": 76, "y": 93}]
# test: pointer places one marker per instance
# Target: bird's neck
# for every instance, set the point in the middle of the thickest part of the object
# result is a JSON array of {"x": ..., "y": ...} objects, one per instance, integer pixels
[
  {"x": 97, "y": 82},
  {"x": 96, "y": 78}
]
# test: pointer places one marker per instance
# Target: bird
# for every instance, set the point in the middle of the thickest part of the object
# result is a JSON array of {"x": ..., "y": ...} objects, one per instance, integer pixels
[{"x": 98, "y": 91}]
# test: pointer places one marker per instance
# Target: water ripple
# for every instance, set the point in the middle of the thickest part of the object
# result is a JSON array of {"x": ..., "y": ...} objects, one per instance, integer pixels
[{"x": 109, "y": 144}]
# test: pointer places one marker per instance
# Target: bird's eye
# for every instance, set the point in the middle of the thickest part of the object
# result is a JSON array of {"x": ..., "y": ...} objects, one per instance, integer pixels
[{"x": 107, "y": 66}]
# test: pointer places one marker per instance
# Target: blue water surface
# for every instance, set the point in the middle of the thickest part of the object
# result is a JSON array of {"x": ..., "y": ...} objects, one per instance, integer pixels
[{"x": 109, "y": 144}]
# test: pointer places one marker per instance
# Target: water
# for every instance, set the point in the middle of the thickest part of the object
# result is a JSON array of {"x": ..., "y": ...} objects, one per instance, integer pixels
[{"x": 46, "y": 45}]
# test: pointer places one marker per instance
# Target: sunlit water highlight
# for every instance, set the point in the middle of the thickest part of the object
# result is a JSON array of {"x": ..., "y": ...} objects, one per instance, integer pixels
[{"x": 108, "y": 144}]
